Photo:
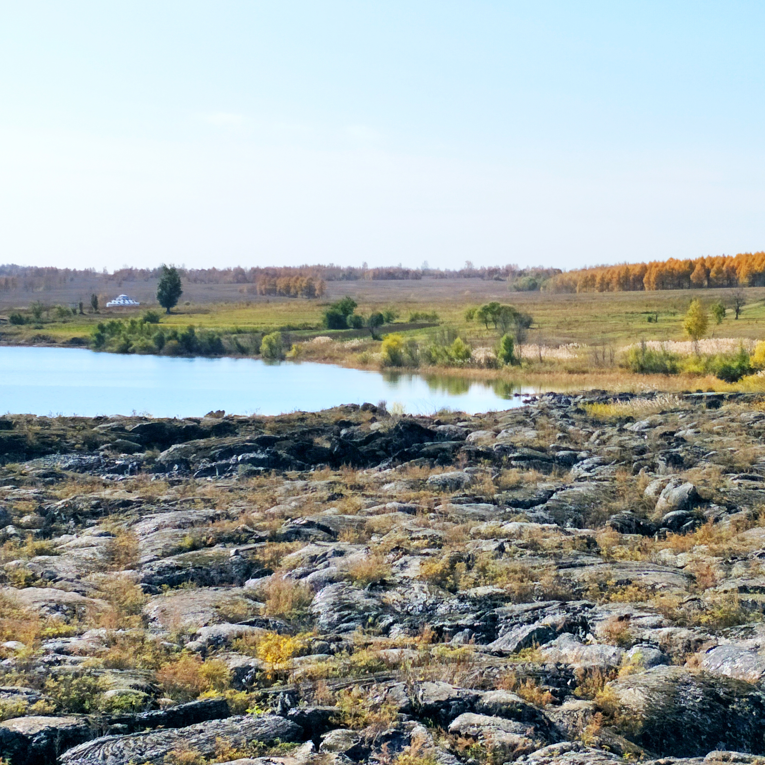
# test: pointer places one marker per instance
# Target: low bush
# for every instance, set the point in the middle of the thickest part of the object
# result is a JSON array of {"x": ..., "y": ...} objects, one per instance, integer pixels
[
  {"x": 188, "y": 677},
  {"x": 74, "y": 693},
  {"x": 397, "y": 352},
  {"x": 729, "y": 367},
  {"x": 142, "y": 336},
  {"x": 271, "y": 347},
  {"x": 643, "y": 360},
  {"x": 417, "y": 316},
  {"x": 455, "y": 353}
]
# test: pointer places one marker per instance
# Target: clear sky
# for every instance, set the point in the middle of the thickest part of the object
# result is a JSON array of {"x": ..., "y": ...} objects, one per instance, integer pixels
[{"x": 389, "y": 131}]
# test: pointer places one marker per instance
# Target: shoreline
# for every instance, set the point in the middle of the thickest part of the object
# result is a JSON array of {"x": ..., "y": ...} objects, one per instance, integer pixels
[{"x": 612, "y": 380}]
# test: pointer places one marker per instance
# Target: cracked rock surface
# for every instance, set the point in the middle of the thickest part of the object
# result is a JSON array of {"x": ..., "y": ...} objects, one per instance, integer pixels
[{"x": 579, "y": 580}]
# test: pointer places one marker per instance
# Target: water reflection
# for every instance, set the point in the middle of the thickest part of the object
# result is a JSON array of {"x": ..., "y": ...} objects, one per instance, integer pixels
[{"x": 454, "y": 385}]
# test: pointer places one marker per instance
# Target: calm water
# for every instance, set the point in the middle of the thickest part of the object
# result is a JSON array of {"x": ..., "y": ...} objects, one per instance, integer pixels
[{"x": 63, "y": 381}]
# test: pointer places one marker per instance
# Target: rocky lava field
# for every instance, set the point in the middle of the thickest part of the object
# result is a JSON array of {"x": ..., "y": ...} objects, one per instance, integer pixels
[{"x": 576, "y": 581}]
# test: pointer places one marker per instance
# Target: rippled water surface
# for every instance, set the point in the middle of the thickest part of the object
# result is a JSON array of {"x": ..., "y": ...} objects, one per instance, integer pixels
[{"x": 68, "y": 381}]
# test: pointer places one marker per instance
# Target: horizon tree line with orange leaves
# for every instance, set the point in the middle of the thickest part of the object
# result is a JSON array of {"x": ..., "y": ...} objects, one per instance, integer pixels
[{"x": 742, "y": 270}]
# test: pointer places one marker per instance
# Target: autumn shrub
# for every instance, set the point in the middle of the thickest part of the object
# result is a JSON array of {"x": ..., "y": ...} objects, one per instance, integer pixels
[
  {"x": 187, "y": 677},
  {"x": 527, "y": 688},
  {"x": 392, "y": 353},
  {"x": 757, "y": 359},
  {"x": 359, "y": 708},
  {"x": 274, "y": 649},
  {"x": 446, "y": 571},
  {"x": 618, "y": 632}
]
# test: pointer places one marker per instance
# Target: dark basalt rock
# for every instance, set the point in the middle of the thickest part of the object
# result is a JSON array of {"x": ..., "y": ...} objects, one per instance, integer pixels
[
  {"x": 629, "y": 523},
  {"x": 154, "y": 746},
  {"x": 682, "y": 713},
  {"x": 40, "y": 740}
]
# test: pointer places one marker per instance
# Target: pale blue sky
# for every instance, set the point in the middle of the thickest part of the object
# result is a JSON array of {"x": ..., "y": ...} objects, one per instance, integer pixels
[{"x": 253, "y": 133}]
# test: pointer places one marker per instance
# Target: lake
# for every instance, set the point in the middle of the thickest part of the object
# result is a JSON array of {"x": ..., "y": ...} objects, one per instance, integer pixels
[{"x": 53, "y": 381}]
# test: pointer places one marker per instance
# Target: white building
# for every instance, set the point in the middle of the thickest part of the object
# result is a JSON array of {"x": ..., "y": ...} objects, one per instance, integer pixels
[{"x": 122, "y": 301}]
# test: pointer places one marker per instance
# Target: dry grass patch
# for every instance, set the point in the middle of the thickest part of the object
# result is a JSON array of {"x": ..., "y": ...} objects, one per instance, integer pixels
[
  {"x": 271, "y": 555},
  {"x": 126, "y": 600},
  {"x": 286, "y": 598},
  {"x": 636, "y": 407},
  {"x": 528, "y": 689},
  {"x": 373, "y": 569},
  {"x": 122, "y": 551}
]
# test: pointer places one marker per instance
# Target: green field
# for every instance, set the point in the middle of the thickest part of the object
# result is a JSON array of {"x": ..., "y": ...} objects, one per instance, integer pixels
[{"x": 592, "y": 319}]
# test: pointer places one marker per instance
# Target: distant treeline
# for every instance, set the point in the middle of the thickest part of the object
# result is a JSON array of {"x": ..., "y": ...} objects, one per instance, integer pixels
[
  {"x": 743, "y": 270},
  {"x": 297, "y": 281}
]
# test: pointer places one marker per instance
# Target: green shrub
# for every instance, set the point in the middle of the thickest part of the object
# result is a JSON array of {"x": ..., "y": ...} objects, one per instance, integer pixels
[
  {"x": 63, "y": 312},
  {"x": 460, "y": 351},
  {"x": 271, "y": 346},
  {"x": 151, "y": 317},
  {"x": 74, "y": 693},
  {"x": 729, "y": 367},
  {"x": 17, "y": 319},
  {"x": 339, "y": 314},
  {"x": 334, "y": 319},
  {"x": 416, "y": 316},
  {"x": 644, "y": 360},
  {"x": 506, "y": 350},
  {"x": 158, "y": 339}
]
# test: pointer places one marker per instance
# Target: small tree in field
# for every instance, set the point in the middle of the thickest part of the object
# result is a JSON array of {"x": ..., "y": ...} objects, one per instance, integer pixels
[
  {"x": 718, "y": 311},
  {"x": 94, "y": 303},
  {"x": 696, "y": 322},
  {"x": 506, "y": 350},
  {"x": 169, "y": 289}
]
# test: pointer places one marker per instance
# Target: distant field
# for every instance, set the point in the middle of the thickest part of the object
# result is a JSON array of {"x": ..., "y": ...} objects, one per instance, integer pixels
[{"x": 613, "y": 319}]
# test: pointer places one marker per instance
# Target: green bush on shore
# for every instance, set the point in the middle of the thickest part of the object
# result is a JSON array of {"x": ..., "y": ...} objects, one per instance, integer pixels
[{"x": 729, "y": 367}]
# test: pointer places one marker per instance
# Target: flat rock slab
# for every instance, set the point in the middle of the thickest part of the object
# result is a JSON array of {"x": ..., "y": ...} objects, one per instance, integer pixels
[{"x": 195, "y": 608}]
